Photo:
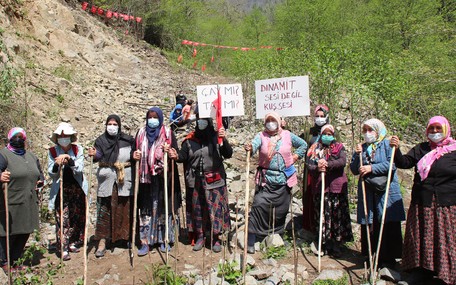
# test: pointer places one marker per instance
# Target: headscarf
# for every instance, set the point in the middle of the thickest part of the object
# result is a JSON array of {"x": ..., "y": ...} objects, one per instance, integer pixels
[
  {"x": 447, "y": 145},
  {"x": 327, "y": 126},
  {"x": 318, "y": 150},
  {"x": 174, "y": 115},
  {"x": 323, "y": 108},
  {"x": 110, "y": 145},
  {"x": 277, "y": 136},
  {"x": 380, "y": 129},
  {"x": 152, "y": 134},
  {"x": 11, "y": 134}
]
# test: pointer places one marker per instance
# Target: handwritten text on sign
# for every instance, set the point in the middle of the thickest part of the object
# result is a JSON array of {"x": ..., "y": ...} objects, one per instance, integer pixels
[
  {"x": 287, "y": 96},
  {"x": 232, "y": 99}
]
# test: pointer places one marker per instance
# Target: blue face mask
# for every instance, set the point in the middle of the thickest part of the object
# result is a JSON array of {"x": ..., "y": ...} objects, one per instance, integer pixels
[
  {"x": 327, "y": 140},
  {"x": 153, "y": 123}
]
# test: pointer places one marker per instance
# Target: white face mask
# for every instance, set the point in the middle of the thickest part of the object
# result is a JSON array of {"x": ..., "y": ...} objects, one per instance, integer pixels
[
  {"x": 437, "y": 137},
  {"x": 153, "y": 122},
  {"x": 202, "y": 124},
  {"x": 271, "y": 126},
  {"x": 370, "y": 137},
  {"x": 64, "y": 142},
  {"x": 112, "y": 129},
  {"x": 320, "y": 121}
]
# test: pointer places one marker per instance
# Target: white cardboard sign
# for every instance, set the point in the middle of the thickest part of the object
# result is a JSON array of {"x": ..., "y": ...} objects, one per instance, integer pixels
[
  {"x": 288, "y": 96},
  {"x": 232, "y": 99}
]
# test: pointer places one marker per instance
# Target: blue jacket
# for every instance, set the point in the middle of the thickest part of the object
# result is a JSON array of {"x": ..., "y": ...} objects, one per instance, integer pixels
[{"x": 375, "y": 200}]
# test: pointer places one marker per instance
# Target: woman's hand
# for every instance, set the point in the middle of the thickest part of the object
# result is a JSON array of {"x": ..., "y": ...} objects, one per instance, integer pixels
[
  {"x": 364, "y": 170},
  {"x": 62, "y": 159},
  {"x": 92, "y": 151},
  {"x": 295, "y": 157},
  {"x": 5, "y": 177},
  {"x": 322, "y": 165},
  {"x": 394, "y": 141},
  {"x": 172, "y": 153},
  {"x": 221, "y": 132},
  {"x": 137, "y": 155},
  {"x": 359, "y": 148},
  {"x": 248, "y": 147}
]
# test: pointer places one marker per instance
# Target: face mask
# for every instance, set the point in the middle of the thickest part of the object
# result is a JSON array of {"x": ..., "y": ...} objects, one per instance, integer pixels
[
  {"x": 64, "y": 142},
  {"x": 17, "y": 143},
  {"x": 370, "y": 137},
  {"x": 153, "y": 123},
  {"x": 271, "y": 126},
  {"x": 202, "y": 124},
  {"x": 437, "y": 137},
  {"x": 320, "y": 121},
  {"x": 327, "y": 139},
  {"x": 112, "y": 130}
]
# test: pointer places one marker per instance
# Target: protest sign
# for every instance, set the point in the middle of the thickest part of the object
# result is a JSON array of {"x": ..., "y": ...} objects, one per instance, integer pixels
[{"x": 232, "y": 100}]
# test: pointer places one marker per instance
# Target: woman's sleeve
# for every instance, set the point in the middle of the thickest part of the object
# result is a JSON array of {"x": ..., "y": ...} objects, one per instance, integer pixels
[
  {"x": 225, "y": 149},
  {"x": 299, "y": 144},
  {"x": 311, "y": 164},
  {"x": 406, "y": 161},
  {"x": 38, "y": 164},
  {"x": 52, "y": 167},
  {"x": 354, "y": 163},
  {"x": 256, "y": 143},
  {"x": 79, "y": 160},
  {"x": 3, "y": 163},
  {"x": 382, "y": 167},
  {"x": 339, "y": 162},
  {"x": 182, "y": 153}
]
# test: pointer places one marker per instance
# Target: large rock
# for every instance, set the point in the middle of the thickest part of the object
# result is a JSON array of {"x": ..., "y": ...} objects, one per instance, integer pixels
[{"x": 274, "y": 240}]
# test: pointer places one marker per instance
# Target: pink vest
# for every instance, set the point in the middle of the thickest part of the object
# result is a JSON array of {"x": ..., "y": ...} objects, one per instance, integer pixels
[{"x": 285, "y": 150}]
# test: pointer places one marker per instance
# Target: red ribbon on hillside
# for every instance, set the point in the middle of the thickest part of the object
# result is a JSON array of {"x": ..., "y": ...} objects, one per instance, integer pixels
[{"x": 217, "y": 103}]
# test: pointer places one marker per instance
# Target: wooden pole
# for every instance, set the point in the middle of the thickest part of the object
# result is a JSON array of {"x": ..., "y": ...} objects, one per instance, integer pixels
[
  {"x": 175, "y": 225},
  {"x": 322, "y": 206},
  {"x": 7, "y": 230},
  {"x": 61, "y": 213},
  {"x": 295, "y": 255},
  {"x": 390, "y": 172},
  {"x": 246, "y": 229},
  {"x": 165, "y": 170},
  {"x": 363, "y": 188},
  {"x": 135, "y": 206},
  {"x": 87, "y": 219}
]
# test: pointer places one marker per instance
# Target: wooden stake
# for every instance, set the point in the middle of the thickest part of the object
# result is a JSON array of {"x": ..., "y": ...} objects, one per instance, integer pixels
[
  {"x": 322, "y": 206},
  {"x": 390, "y": 171},
  {"x": 246, "y": 229},
  {"x": 295, "y": 255},
  {"x": 135, "y": 206},
  {"x": 236, "y": 227},
  {"x": 8, "y": 260},
  {"x": 165, "y": 170},
  {"x": 363, "y": 188},
  {"x": 61, "y": 214},
  {"x": 87, "y": 219}
]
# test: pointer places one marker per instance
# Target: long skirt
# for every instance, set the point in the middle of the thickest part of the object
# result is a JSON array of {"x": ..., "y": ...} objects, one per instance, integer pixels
[
  {"x": 336, "y": 220},
  {"x": 114, "y": 217},
  {"x": 151, "y": 205},
  {"x": 73, "y": 216},
  {"x": 209, "y": 210},
  {"x": 269, "y": 210},
  {"x": 430, "y": 240},
  {"x": 308, "y": 217}
]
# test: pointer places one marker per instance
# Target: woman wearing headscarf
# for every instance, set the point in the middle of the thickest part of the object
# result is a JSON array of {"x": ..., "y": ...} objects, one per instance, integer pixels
[
  {"x": 176, "y": 118},
  {"x": 67, "y": 157},
  {"x": 206, "y": 182},
  {"x": 149, "y": 152},
  {"x": 328, "y": 156},
  {"x": 275, "y": 177},
  {"x": 376, "y": 155},
  {"x": 112, "y": 151},
  {"x": 321, "y": 118},
  {"x": 20, "y": 169},
  {"x": 430, "y": 234}
]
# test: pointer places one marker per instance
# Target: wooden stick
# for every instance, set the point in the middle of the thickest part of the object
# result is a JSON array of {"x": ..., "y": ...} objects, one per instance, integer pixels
[
  {"x": 363, "y": 188},
  {"x": 61, "y": 214},
  {"x": 135, "y": 205},
  {"x": 246, "y": 229},
  {"x": 87, "y": 219},
  {"x": 8, "y": 266},
  {"x": 165, "y": 170},
  {"x": 322, "y": 205},
  {"x": 390, "y": 172},
  {"x": 236, "y": 227},
  {"x": 175, "y": 225},
  {"x": 295, "y": 255}
]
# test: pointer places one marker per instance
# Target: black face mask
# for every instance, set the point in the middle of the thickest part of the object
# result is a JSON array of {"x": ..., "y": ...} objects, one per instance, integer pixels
[{"x": 17, "y": 143}]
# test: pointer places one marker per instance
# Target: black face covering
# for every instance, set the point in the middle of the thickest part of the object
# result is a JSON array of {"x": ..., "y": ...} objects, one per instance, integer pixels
[{"x": 17, "y": 142}]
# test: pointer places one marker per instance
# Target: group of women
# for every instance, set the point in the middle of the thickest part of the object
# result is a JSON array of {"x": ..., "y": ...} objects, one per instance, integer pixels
[{"x": 428, "y": 250}]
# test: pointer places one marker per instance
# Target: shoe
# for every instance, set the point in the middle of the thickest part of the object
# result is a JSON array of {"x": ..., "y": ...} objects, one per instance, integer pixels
[
  {"x": 66, "y": 256},
  {"x": 315, "y": 250},
  {"x": 198, "y": 244},
  {"x": 101, "y": 248},
  {"x": 217, "y": 247},
  {"x": 74, "y": 248},
  {"x": 5, "y": 268},
  {"x": 144, "y": 250},
  {"x": 163, "y": 247},
  {"x": 251, "y": 249}
]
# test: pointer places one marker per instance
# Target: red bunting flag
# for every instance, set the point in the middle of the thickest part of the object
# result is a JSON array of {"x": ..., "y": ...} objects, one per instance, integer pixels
[
  {"x": 116, "y": 15},
  {"x": 94, "y": 9},
  {"x": 194, "y": 52},
  {"x": 203, "y": 68},
  {"x": 84, "y": 5},
  {"x": 212, "y": 59},
  {"x": 194, "y": 64},
  {"x": 126, "y": 17},
  {"x": 138, "y": 19},
  {"x": 217, "y": 103},
  {"x": 180, "y": 58},
  {"x": 100, "y": 11},
  {"x": 109, "y": 14}
]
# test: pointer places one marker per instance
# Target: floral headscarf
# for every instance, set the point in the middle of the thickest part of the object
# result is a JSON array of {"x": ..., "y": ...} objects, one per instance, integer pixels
[
  {"x": 11, "y": 134},
  {"x": 318, "y": 150},
  {"x": 380, "y": 129},
  {"x": 447, "y": 145}
]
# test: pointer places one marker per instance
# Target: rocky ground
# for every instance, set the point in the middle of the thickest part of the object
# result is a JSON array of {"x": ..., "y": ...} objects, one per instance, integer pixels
[{"x": 77, "y": 69}]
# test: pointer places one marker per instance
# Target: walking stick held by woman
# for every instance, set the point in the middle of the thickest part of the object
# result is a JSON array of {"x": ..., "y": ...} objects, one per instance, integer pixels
[
  {"x": 87, "y": 219},
  {"x": 165, "y": 171},
  {"x": 322, "y": 206},
  {"x": 61, "y": 213},
  {"x": 246, "y": 229},
  {"x": 390, "y": 172},
  {"x": 135, "y": 206},
  {"x": 8, "y": 266},
  {"x": 363, "y": 187}
]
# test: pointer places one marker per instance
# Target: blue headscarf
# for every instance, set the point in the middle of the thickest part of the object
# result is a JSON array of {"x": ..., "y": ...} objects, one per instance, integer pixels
[
  {"x": 152, "y": 134},
  {"x": 174, "y": 115}
]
